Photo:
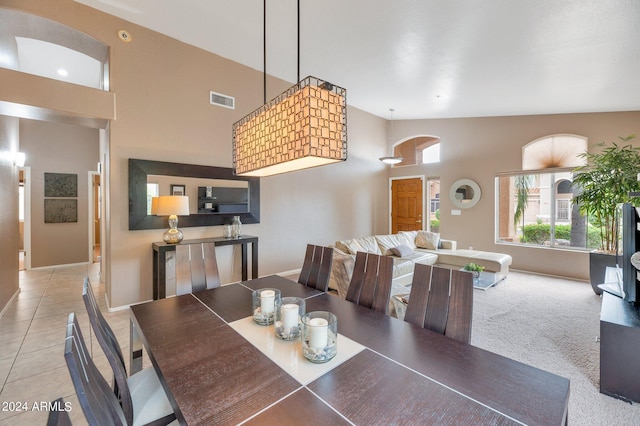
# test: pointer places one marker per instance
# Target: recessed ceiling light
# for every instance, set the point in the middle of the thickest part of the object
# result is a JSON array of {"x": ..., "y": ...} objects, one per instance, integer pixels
[{"x": 62, "y": 72}]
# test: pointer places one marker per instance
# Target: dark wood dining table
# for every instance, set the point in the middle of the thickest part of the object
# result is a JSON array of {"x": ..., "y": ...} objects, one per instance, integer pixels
[{"x": 218, "y": 368}]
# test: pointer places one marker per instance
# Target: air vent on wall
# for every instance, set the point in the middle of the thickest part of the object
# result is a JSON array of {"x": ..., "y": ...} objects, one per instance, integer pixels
[{"x": 222, "y": 100}]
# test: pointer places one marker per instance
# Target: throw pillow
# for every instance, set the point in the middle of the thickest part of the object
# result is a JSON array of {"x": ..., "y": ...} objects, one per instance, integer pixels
[
  {"x": 401, "y": 250},
  {"x": 427, "y": 240}
]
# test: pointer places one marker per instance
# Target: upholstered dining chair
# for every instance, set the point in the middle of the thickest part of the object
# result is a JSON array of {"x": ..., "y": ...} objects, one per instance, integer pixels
[
  {"x": 441, "y": 300},
  {"x": 370, "y": 284},
  {"x": 316, "y": 267},
  {"x": 141, "y": 395},
  {"x": 58, "y": 416},
  {"x": 98, "y": 402},
  {"x": 196, "y": 268}
]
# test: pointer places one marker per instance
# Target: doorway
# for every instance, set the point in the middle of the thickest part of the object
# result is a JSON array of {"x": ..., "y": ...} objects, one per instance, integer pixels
[
  {"x": 24, "y": 218},
  {"x": 95, "y": 208},
  {"x": 408, "y": 204}
]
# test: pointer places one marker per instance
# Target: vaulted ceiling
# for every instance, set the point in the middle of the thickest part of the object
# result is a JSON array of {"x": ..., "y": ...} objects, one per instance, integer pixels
[{"x": 425, "y": 58}]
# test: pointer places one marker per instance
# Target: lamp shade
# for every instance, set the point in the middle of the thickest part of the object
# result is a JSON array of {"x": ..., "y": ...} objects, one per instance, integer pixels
[
  {"x": 306, "y": 126},
  {"x": 172, "y": 205},
  {"x": 154, "y": 205}
]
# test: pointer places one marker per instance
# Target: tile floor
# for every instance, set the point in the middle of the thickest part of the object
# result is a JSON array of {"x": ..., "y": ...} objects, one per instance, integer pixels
[{"x": 32, "y": 334}]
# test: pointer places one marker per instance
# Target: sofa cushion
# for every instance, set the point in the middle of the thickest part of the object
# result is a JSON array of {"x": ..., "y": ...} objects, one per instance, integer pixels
[
  {"x": 428, "y": 240},
  {"x": 367, "y": 244},
  {"x": 387, "y": 242},
  {"x": 408, "y": 238},
  {"x": 404, "y": 265},
  {"x": 401, "y": 250}
]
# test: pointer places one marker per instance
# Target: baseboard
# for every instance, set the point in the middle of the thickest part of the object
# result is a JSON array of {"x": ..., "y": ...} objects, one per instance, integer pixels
[{"x": 4, "y": 310}]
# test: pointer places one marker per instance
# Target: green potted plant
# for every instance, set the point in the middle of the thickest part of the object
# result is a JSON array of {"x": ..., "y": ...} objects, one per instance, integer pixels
[
  {"x": 605, "y": 182},
  {"x": 474, "y": 268}
]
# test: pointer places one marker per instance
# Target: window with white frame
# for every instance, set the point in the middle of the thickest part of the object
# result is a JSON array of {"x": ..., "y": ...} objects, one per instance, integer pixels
[{"x": 535, "y": 205}]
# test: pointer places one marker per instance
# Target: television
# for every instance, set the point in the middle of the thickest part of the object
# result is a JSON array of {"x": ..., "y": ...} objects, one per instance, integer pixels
[{"x": 630, "y": 245}]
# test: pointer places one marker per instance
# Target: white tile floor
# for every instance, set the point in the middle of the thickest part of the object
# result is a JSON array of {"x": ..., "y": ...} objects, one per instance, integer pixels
[{"x": 32, "y": 334}]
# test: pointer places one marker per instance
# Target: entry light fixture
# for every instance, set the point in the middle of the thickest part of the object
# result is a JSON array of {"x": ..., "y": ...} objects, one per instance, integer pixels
[
  {"x": 306, "y": 126},
  {"x": 19, "y": 159},
  {"x": 391, "y": 159},
  {"x": 172, "y": 206}
]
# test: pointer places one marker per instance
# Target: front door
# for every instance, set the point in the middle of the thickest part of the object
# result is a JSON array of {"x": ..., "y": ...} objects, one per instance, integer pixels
[{"x": 406, "y": 205}]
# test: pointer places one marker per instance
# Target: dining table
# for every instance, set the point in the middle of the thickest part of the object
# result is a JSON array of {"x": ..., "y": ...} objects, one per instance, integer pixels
[{"x": 218, "y": 366}]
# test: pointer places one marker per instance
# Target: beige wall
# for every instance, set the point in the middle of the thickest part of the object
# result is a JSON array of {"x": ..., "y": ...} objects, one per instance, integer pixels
[
  {"x": 161, "y": 89},
  {"x": 9, "y": 132},
  {"x": 478, "y": 148},
  {"x": 59, "y": 148}
]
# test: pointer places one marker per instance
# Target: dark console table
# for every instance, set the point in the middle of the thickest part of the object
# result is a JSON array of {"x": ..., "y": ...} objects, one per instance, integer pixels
[
  {"x": 619, "y": 348},
  {"x": 160, "y": 250}
]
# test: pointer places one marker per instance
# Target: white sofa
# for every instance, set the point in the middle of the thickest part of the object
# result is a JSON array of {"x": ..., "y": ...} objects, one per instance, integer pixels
[{"x": 413, "y": 247}]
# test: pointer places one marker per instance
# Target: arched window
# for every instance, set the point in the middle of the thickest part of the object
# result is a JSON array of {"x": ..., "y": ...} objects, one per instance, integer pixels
[
  {"x": 536, "y": 205},
  {"x": 67, "y": 54},
  {"x": 418, "y": 150}
]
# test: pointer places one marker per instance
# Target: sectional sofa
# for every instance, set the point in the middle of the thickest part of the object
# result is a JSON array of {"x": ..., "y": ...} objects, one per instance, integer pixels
[{"x": 407, "y": 249}]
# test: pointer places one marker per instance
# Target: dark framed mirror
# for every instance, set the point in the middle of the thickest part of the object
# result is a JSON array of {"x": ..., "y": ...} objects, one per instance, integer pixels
[{"x": 246, "y": 205}]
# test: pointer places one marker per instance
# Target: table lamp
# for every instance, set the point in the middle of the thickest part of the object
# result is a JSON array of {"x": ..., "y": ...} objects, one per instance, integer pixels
[{"x": 173, "y": 206}]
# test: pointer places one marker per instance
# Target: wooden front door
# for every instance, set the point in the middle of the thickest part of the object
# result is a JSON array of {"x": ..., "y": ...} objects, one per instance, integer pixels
[{"x": 406, "y": 205}]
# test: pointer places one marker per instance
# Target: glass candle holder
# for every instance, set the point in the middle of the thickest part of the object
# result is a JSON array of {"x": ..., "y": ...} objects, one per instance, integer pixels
[
  {"x": 264, "y": 305},
  {"x": 288, "y": 314},
  {"x": 319, "y": 336}
]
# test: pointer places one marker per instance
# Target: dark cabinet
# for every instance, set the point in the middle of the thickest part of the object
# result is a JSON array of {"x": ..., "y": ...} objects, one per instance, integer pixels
[{"x": 619, "y": 348}]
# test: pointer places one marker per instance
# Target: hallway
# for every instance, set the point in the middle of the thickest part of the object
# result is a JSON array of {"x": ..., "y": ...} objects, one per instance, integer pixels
[{"x": 32, "y": 334}]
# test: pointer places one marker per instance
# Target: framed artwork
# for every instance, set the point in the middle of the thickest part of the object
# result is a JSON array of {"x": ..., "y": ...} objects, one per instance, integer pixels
[
  {"x": 60, "y": 185},
  {"x": 60, "y": 211},
  {"x": 178, "y": 190}
]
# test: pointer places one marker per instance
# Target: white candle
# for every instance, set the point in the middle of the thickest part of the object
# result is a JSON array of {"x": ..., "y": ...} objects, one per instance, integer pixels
[
  {"x": 267, "y": 299},
  {"x": 289, "y": 315},
  {"x": 318, "y": 332}
]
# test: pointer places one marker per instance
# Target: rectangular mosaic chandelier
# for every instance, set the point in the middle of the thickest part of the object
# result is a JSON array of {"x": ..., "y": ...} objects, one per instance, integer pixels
[{"x": 306, "y": 126}]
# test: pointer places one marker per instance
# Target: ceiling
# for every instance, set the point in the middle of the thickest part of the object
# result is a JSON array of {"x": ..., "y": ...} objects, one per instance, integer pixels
[{"x": 425, "y": 58}]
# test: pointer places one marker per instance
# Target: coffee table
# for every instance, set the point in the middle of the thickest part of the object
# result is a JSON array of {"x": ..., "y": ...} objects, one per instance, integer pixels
[{"x": 487, "y": 280}]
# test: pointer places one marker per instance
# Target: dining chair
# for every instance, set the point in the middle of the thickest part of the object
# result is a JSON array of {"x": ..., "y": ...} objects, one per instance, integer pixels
[
  {"x": 141, "y": 395},
  {"x": 370, "y": 284},
  {"x": 196, "y": 268},
  {"x": 441, "y": 300},
  {"x": 57, "y": 415},
  {"x": 98, "y": 402},
  {"x": 316, "y": 267}
]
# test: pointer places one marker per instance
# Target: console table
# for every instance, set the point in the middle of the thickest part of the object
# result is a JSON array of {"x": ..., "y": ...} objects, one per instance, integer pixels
[{"x": 160, "y": 250}]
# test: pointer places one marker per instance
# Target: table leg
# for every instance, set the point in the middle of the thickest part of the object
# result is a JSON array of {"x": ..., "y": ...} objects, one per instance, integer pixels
[
  {"x": 155, "y": 275},
  {"x": 244, "y": 261},
  {"x": 136, "y": 349},
  {"x": 162, "y": 275},
  {"x": 254, "y": 260}
]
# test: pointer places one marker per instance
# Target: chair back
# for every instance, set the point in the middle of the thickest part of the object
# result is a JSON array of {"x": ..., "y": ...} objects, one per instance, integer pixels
[
  {"x": 99, "y": 404},
  {"x": 111, "y": 348},
  {"x": 370, "y": 284},
  {"x": 316, "y": 267},
  {"x": 57, "y": 414},
  {"x": 196, "y": 268},
  {"x": 441, "y": 300}
]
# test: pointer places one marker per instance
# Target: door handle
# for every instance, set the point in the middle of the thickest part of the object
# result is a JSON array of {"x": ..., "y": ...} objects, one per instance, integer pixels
[{"x": 418, "y": 221}]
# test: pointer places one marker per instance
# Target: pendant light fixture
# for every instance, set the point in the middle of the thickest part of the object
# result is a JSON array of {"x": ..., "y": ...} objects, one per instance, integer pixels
[
  {"x": 391, "y": 159},
  {"x": 306, "y": 126}
]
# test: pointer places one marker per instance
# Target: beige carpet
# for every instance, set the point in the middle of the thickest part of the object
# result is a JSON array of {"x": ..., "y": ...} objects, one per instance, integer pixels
[{"x": 552, "y": 324}]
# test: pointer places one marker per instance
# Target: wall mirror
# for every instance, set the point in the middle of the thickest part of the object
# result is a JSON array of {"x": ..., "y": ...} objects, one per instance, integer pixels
[
  {"x": 464, "y": 193},
  {"x": 215, "y": 194}
]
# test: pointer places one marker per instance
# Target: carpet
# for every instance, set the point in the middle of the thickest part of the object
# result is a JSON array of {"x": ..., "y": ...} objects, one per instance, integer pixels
[{"x": 553, "y": 324}]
